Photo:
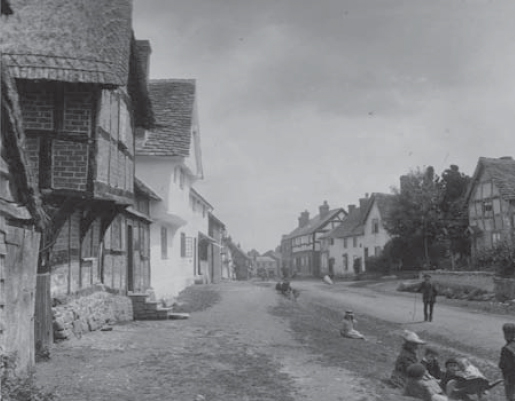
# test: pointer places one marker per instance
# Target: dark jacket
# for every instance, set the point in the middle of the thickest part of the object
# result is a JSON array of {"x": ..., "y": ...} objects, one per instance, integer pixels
[
  {"x": 433, "y": 368},
  {"x": 428, "y": 290},
  {"x": 507, "y": 362}
]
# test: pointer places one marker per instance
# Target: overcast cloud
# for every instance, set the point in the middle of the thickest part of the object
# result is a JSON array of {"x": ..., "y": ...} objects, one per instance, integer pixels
[{"x": 304, "y": 101}]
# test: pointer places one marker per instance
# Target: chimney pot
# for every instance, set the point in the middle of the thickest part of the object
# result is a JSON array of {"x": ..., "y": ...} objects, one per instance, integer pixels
[{"x": 324, "y": 210}]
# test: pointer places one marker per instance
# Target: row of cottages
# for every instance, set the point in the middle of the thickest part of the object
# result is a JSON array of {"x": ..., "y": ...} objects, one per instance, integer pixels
[
  {"x": 81, "y": 82},
  {"x": 491, "y": 204},
  {"x": 346, "y": 249},
  {"x": 301, "y": 249},
  {"x": 185, "y": 239}
]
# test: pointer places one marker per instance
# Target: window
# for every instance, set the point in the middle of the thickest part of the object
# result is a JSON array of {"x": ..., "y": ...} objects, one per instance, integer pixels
[
  {"x": 375, "y": 226},
  {"x": 346, "y": 261},
  {"x": 487, "y": 207},
  {"x": 354, "y": 242},
  {"x": 183, "y": 245},
  {"x": 496, "y": 238},
  {"x": 366, "y": 253},
  {"x": 377, "y": 251},
  {"x": 164, "y": 243},
  {"x": 331, "y": 241},
  {"x": 345, "y": 243}
]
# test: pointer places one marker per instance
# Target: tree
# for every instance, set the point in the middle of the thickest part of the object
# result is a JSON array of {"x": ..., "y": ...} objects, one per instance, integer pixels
[
  {"x": 414, "y": 216},
  {"x": 454, "y": 210}
]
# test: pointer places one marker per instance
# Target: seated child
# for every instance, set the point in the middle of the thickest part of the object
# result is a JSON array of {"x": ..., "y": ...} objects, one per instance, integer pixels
[
  {"x": 347, "y": 329},
  {"x": 463, "y": 380},
  {"x": 430, "y": 362},
  {"x": 407, "y": 356},
  {"x": 420, "y": 384}
]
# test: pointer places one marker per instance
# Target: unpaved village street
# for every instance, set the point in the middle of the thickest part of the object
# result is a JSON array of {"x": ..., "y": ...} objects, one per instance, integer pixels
[{"x": 252, "y": 344}]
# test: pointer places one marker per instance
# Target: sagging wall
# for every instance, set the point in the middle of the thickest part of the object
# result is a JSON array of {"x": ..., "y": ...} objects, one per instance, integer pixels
[{"x": 18, "y": 259}]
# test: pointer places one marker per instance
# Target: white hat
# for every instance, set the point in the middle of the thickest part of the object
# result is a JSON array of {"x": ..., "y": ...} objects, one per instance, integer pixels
[{"x": 412, "y": 337}]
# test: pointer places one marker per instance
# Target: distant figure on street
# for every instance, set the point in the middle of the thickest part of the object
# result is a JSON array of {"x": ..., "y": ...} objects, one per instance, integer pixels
[
  {"x": 430, "y": 362},
  {"x": 507, "y": 361},
  {"x": 429, "y": 293},
  {"x": 348, "y": 324},
  {"x": 420, "y": 384},
  {"x": 407, "y": 357}
]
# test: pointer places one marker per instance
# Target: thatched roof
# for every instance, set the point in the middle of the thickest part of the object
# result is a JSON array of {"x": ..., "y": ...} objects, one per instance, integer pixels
[
  {"x": 173, "y": 104},
  {"x": 71, "y": 41},
  {"x": 13, "y": 143}
]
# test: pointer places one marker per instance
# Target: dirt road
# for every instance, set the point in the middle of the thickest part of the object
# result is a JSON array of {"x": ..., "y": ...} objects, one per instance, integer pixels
[
  {"x": 255, "y": 345},
  {"x": 235, "y": 350}
]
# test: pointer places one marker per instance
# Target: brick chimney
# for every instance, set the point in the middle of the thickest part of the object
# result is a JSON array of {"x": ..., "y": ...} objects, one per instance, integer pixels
[
  {"x": 363, "y": 203},
  {"x": 144, "y": 50},
  {"x": 304, "y": 218},
  {"x": 351, "y": 208},
  {"x": 324, "y": 210}
]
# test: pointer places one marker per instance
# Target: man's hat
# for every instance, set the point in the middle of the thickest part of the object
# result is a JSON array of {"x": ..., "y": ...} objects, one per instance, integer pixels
[{"x": 412, "y": 337}]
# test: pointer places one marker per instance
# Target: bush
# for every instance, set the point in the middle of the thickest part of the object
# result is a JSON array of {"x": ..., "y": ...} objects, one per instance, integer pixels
[
  {"x": 378, "y": 264},
  {"x": 15, "y": 388},
  {"x": 500, "y": 258}
]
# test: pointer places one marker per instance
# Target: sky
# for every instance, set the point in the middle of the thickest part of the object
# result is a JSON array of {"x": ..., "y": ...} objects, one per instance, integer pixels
[{"x": 304, "y": 101}]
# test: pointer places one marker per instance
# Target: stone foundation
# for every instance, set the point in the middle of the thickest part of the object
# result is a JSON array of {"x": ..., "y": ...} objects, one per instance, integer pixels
[
  {"x": 477, "y": 279},
  {"x": 90, "y": 313}
]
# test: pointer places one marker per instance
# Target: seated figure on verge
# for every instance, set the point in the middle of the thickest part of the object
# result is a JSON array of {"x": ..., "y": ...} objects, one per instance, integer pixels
[
  {"x": 348, "y": 324},
  {"x": 407, "y": 357}
]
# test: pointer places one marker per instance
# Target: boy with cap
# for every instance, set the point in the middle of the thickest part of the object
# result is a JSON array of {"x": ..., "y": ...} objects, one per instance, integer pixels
[
  {"x": 430, "y": 362},
  {"x": 420, "y": 384},
  {"x": 507, "y": 361}
]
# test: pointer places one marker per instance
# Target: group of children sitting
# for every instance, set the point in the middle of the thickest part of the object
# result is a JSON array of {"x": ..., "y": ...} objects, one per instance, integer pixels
[{"x": 424, "y": 379}]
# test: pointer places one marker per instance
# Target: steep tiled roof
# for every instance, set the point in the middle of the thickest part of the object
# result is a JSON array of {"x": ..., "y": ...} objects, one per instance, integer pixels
[
  {"x": 384, "y": 204},
  {"x": 141, "y": 187},
  {"x": 173, "y": 102},
  {"x": 314, "y": 224},
  {"x": 69, "y": 41},
  {"x": 502, "y": 172},
  {"x": 351, "y": 226}
]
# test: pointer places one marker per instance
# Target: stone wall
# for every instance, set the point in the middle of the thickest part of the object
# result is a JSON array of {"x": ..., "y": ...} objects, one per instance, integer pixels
[
  {"x": 482, "y": 280},
  {"x": 504, "y": 288},
  {"x": 90, "y": 313}
]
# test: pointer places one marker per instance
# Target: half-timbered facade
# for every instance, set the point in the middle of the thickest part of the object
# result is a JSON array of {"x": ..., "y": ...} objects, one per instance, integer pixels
[
  {"x": 301, "y": 248},
  {"x": 77, "y": 76},
  {"x": 491, "y": 203}
]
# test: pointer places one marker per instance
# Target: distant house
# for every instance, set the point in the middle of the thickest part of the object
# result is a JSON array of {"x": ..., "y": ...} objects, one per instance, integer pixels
[
  {"x": 267, "y": 265},
  {"x": 168, "y": 160},
  {"x": 375, "y": 235},
  {"x": 342, "y": 247},
  {"x": 217, "y": 232},
  {"x": 301, "y": 248},
  {"x": 241, "y": 262},
  {"x": 491, "y": 203},
  {"x": 345, "y": 249}
]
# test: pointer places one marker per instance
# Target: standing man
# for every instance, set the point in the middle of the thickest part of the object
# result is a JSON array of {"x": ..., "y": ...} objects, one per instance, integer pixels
[
  {"x": 429, "y": 292},
  {"x": 507, "y": 361}
]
